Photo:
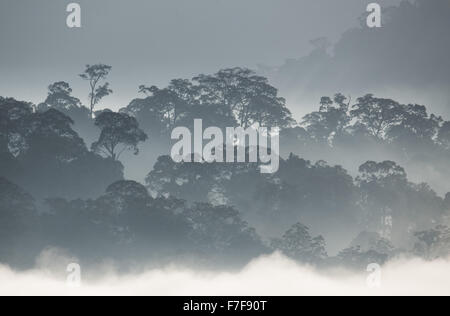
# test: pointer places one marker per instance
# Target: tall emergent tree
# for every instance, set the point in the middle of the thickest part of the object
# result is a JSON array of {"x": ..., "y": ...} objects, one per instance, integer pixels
[
  {"x": 117, "y": 129},
  {"x": 95, "y": 74}
]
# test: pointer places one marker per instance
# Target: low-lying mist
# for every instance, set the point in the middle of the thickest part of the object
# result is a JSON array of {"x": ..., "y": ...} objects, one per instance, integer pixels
[{"x": 272, "y": 275}]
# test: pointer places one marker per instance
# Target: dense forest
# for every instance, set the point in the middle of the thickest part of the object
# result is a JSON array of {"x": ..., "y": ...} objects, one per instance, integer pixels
[{"x": 101, "y": 184}]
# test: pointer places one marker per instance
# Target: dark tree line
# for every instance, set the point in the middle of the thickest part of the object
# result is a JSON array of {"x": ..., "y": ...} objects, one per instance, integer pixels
[
  {"x": 380, "y": 199},
  {"x": 42, "y": 153},
  {"x": 377, "y": 118}
]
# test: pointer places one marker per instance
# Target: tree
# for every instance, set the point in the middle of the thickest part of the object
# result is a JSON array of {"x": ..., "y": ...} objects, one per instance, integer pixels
[
  {"x": 229, "y": 98},
  {"x": 298, "y": 244},
  {"x": 149, "y": 116},
  {"x": 321, "y": 194},
  {"x": 60, "y": 98},
  {"x": 43, "y": 133},
  {"x": 171, "y": 103},
  {"x": 383, "y": 173},
  {"x": 94, "y": 75},
  {"x": 17, "y": 221},
  {"x": 433, "y": 243},
  {"x": 117, "y": 129},
  {"x": 331, "y": 119},
  {"x": 50, "y": 134},
  {"x": 250, "y": 98},
  {"x": 127, "y": 222},
  {"x": 55, "y": 161},
  {"x": 188, "y": 181},
  {"x": 392, "y": 205},
  {"x": 368, "y": 241},
  {"x": 325, "y": 196},
  {"x": 381, "y": 186},
  {"x": 164, "y": 108},
  {"x": 44, "y": 155},
  {"x": 415, "y": 126},
  {"x": 13, "y": 115},
  {"x": 220, "y": 230},
  {"x": 123, "y": 197},
  {"x": 15, "y": 203},
  {"x": 377, "y": 115},
  {"x": 141, "y": 222}
]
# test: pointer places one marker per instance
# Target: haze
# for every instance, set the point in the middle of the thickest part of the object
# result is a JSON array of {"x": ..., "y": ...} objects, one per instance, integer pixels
[{"x": 151, "y": 42}]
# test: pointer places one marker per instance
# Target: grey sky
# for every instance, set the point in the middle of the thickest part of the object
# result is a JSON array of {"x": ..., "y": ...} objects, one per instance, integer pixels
[{"x": 153, "y": 41}]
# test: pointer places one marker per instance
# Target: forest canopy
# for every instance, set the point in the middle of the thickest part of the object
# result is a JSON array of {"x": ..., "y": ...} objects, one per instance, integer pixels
[{"x": 65, "y": 177}]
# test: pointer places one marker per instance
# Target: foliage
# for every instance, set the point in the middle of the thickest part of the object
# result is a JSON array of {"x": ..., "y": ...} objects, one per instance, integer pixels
[
  {"x": 298, "y": 244},
  {"x": 117, "y": 129},
  {"x": 433, "y": 243},
  {"x": 231, "y": 97},
  {"x": 214, "y": 210},
  {"x": 95, "y": 74}
]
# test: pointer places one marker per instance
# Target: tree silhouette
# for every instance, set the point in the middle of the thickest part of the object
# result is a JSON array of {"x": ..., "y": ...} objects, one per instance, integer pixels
[
  {"x": 171, "y": 103},
  {"x": 368, "y": 241},
  {"x": 330, "y": 121},
  {"x": 229, "y": 98},
  {"x": 117, "y": 129},
  {"x": 94, "y": 75},
  {"x": 386, "y": 172},
  {"x": 44, "y": 155},
  {"x": 60, "y": 98},
  {"x": 13, "y": 115},
  {"x": 377, "y": 115},
  {"x": 18, "y": 223},
  {"x": 433, "y": 243},
  {"x": 415, "y": 127},
  {"x": 392, "y": 206},
  {"x": 50, "y": 134},
  {"x": 249, "y": 97},
  {"x": 220, "y": 229},
  {"x": 298, "y": 244}
]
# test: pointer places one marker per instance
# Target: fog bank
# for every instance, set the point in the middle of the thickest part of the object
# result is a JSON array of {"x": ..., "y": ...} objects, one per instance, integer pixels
[{"x": 272, "y": 276}]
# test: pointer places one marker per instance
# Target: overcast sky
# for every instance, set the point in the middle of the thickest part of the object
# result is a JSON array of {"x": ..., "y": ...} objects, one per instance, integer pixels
[{"x": 153, "y": 41}]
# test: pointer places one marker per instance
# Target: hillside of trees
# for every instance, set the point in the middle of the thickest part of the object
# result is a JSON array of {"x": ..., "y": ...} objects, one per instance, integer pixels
[
  {"x": 101, "y": 184},
  {"x": 407, "y": 59}
]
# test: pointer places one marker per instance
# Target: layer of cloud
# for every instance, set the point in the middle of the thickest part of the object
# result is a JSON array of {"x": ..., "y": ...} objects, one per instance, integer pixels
[{"x": 267, "y": 276}]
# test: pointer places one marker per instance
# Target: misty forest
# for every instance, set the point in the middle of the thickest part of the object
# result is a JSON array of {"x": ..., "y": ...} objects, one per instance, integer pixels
[{"x": 101, "y": 184}]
